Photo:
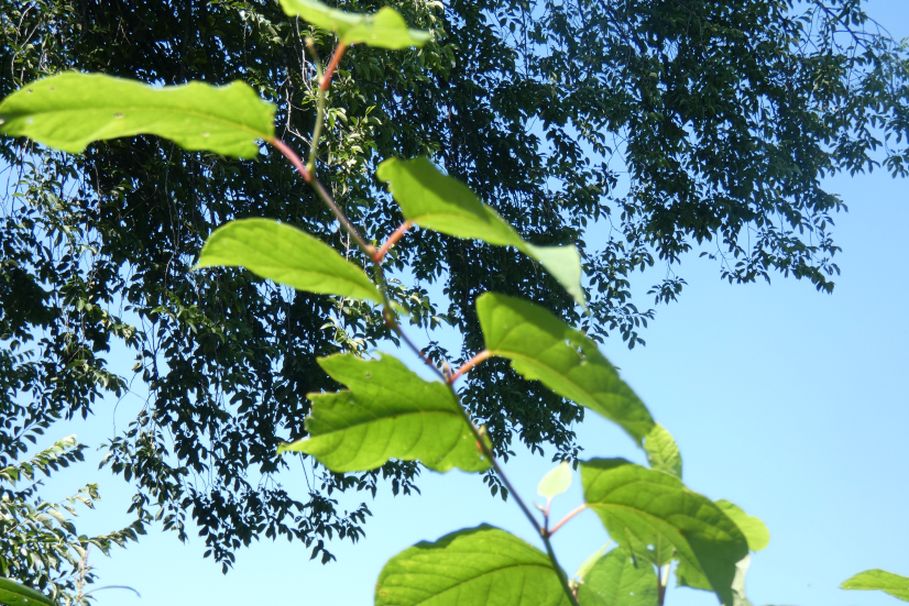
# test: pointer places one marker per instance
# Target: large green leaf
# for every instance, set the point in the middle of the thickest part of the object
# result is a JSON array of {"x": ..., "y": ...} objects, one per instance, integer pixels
[
  {"x": 755, "y": 531},
  {"x": 14, "y": 594},
  {"x": 288, "y": 256},
  {"x": 618, "y": 579},
  {"x": 663, "y": 452},
  {"x": 389, "y": 412},
  {"x": 384, "y": 29},
  {"x": 880, "y": 580},
  {"x": 436, "y": 201},
  {"x": 641, "y": 507},
  {"x": 70, "y": 110},
  {"x": 479, "y": 566},
  {"x": 542, "y": 347}
]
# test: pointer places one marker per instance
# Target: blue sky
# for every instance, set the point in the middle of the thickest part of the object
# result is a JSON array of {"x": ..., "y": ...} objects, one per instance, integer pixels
[{"x": 790, "y": 403}]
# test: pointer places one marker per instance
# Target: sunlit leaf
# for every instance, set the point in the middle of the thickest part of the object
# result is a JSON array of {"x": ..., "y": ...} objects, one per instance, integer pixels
[
  {"x": 542, "y": 347},
  {"x": 384, "y": 29},
  {"x": 388, "y": 412},
  {"x": 642, "y": 508},
  {"x": 70, "y": 110},
  {"x": 880, "y": 580},
  {"x": 14, "y": 594},
  {"x": 663, "y": 452},
  {"x": 556, "y": 481},
  {"x": 756, "y": 535},
  {"x": 755, "y": 531},
  {"x": 617, "y": 579},
  {"x": 441, "y": 203},
  {"x": 478, "y": 566},
  {"x": 288, "y": 256}
]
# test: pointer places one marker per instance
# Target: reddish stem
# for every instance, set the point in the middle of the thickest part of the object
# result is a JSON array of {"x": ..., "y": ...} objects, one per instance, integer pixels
[
  {"x": 294, "y": 159},
  {"x": 392, "y": 240},
  {"x": 568, "y": 517},
  {"x": 469, "y": 364},
  {"x": 332, "y": 66}
]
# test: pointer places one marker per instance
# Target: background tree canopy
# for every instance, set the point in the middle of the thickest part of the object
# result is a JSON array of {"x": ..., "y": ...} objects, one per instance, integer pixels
[{"x": 640, "y": 130}]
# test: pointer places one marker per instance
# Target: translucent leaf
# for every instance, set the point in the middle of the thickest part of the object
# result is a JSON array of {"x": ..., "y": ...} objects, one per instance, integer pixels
[
  {"x": 288, "y": 256},
  {"x": 662, "y": 451},
  {"x": 387, "y": 413},
  {"x": 441, "y": 203},
  {"x": 642, "y": 508},
  {"x": 384, "y": 29},
  {"x": 14, "y": 594},
  {"x": 617, "y": 579},
  {"x": 556, "y": 481},
  {"x": 542, "y": 347},
  {"x": 755, "y": 531},
  {"x": 757, "y": 536},
  {"x": 70, "y": 110},
  {"x": 880, "y": 580},
  {"x": 481, "y": 565}
]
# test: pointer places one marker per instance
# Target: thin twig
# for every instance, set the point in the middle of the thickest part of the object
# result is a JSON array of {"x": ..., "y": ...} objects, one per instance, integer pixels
[
  {"x": 469, "y": 364},
  {"x": 391, "y": 241},
  {"x": 568, "y": 517}
]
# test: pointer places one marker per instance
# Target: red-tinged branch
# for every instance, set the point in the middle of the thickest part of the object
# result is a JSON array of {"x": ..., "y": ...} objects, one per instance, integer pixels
[
  {"x": 392, "y": 240},
  {"x": 292, "y": 156},
  {"x": 332, "y": 66},
  {"x": 323, "y": 195},
  {"x": 567, "y": 518},
  {"x": 469, "y": 364}
]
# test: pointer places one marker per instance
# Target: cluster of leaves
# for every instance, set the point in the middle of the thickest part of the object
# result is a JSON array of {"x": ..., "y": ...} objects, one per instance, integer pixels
[
  {"x": 39, "y": 543},
  {"x": 725, "y": 119}
]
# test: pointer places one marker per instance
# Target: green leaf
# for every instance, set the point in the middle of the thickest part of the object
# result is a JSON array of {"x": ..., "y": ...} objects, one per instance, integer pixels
[
  {"x": 542, "y": 347},
  {"x": 880, "y": 580},
  {"x": 482, "y": 565},
  {"x": 663, "y": 452},
  {"x": 388, "y": 412},
  {"x": 755, "y": 531},
  {"x": 618, "y": 579},
  {"x": 641, "y": 507},
  {"x": 288, "y": 256},
  {"x": 757, "y": 537},
  {"x": 555, "y": 482},
  {"x": 384, "y": 29},
  {"x": 14, "y": 594},
  {"x": 441, "y": 203},
  {"x": 70, "y": 110}
]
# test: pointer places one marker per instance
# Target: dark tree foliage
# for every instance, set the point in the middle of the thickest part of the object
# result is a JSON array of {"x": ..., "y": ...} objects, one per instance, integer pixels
[{"x": 642, "y": 130}]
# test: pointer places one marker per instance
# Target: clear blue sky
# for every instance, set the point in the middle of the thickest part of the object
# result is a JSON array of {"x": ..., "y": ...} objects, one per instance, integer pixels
[{"x": 791, "y": 403}]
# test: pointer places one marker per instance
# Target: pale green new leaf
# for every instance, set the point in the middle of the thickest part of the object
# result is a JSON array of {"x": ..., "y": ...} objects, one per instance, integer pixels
[
  {"x": 288, "y": 256},
  {"x": 556, "y": 481},
  {"x": 617, "y": 579},
  {"x": 384, "y": 29},
  {"x": 70, "y": 110},
  {"x": 663, "y": 452},
  {"x": 441, "y": 203},
  {"x": 14, "y": 594},
  {"x": 479, "y": 566},
  {"x": 388, "y": 412},
  {"x": 880, "y": 580},
  {"x": 542, "y": 347},
  {"x": 641, "y": 507}
]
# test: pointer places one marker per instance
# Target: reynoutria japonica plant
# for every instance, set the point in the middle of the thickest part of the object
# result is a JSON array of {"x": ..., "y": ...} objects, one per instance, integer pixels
[{"x": 387, "y": 411}]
